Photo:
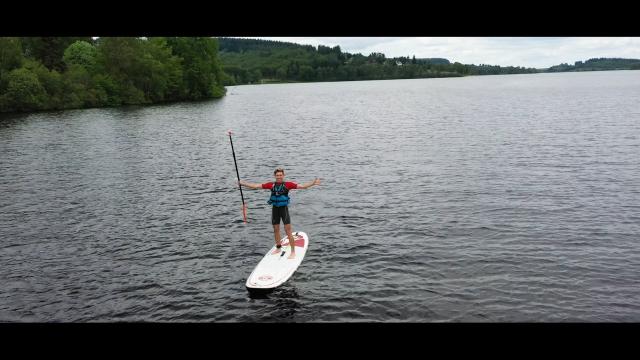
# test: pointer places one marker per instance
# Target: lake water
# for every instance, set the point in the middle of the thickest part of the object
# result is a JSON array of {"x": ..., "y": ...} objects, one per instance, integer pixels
[{"x": 489, "y": 198}]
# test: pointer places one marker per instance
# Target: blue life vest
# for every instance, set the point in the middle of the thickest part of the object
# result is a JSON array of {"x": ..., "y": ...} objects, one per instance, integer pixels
[{"x": 279, "y": 195}]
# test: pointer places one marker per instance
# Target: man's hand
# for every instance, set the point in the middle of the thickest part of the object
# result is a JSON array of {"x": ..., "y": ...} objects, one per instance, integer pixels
[
  {"x": 249, "y": 185},
  {"x": 309, "y": 184}
]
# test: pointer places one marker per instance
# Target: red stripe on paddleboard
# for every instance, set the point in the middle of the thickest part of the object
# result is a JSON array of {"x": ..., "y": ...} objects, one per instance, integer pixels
[{"x": 299, "y": 242}]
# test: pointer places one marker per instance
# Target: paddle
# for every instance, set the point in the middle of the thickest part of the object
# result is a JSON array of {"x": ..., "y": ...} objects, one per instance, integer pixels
[{"x": 244, "y": 206}]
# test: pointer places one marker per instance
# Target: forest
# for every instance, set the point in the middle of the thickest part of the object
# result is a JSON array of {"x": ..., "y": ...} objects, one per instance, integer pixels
[
  {"x": 52, "y": 73},
  {"x": 250, "y": 61}
]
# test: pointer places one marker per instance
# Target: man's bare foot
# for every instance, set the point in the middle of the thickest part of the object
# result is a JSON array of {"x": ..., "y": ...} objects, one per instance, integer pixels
[
  {"x": 292, "y": 255},
  {"x": 276, "y": 251}
]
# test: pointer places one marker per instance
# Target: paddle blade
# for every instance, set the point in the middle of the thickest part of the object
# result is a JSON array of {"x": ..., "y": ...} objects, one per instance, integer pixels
[{"x": 244, "y": 212}]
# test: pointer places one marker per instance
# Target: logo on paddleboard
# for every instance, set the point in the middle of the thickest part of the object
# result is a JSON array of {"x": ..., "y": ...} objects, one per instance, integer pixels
[{"x": 265, "y": 278}]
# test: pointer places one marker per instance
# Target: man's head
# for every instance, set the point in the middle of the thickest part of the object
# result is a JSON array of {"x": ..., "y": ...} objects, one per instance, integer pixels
[{"x": 279, "y": 174}]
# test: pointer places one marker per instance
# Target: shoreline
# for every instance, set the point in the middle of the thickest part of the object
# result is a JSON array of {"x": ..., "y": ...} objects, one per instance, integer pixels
[
  {"x": 273, "y": 82},
  {"x": 422, "y": 78},
  {"x": 122, "y": 106}
]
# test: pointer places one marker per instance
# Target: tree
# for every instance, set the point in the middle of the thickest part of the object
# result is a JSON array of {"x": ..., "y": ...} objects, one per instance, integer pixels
[
  {"x": 10, "y": 53},
  {"x": 51, "y": 81},
  {"x": 77, "y": 85},
  {"x": 281, "y": 73},
  {"x": 323, "y": 50},
  {"x": 163, "y": 77},
  {"x": 122, "y": 60},
  {"x": 202, "y": 74},
  {"x": 307, "y": 73},
  {"x": 24, "y": 91},
  {"x": 59, "y": 72},
  {"x": 49, "y": 50},
  {"x": 106, "y": 85},
  {"x": 10, "y": 58},
  {"x": 80, "y": 53},
  {"x": 376, "y": 57},
  {"x": 254, "y": 76}
]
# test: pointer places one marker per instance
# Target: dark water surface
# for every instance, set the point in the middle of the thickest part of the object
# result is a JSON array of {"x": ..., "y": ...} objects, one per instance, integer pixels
[{"x": 495, "y": 198}]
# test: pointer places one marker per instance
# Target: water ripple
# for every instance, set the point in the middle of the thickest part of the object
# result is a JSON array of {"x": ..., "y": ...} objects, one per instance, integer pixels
[{"x": 480, "y": 199}]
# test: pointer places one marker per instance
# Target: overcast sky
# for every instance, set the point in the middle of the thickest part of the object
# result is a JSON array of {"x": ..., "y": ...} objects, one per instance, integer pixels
[{"x": 537, "y": 52}]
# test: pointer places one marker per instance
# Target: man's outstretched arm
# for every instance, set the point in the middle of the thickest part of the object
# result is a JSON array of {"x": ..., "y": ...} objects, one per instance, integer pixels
[
  {"x": 250, "y": 185},
  {"x": 309, "y": 184}
]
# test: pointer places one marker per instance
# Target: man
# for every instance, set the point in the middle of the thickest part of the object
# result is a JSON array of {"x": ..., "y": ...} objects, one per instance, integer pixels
[{"x": 280, "y": 201}]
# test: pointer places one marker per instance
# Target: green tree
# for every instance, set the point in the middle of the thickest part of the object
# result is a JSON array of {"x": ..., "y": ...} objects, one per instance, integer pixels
[
  {"x": 202, "y": 74},
  {"x": 106, "y": 85},
  {"x": 323, "y": 49},
  {"x": 122, "y": 60},
  {"x": 80, "y": 53},
  {"x": 10, "y": 53},
  {"x": 52, "y": 82},
  {"x": 163, "y": 78},
  {"x": 281, "y": 73},
  {"x": 49, "y": 50},
  {"x": 307, "y": 73},
  {"x": 24, "y": 91},
  {"x": 254, "y": 76},
  {"x": 10, "y": 58},
  {"x": 77, "y": 83}
]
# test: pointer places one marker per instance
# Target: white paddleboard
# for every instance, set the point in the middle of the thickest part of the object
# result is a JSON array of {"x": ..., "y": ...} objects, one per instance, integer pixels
[{"x": 276, "y": 268}]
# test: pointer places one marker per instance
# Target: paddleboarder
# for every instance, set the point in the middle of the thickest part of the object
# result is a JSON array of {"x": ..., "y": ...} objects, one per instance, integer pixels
[{"x": 280, "y": 201}]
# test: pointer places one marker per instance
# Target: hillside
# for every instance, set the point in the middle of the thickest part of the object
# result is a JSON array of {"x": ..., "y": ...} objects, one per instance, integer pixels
[
  {"x": 250, "y": 61},
  {"x": 598, "y": 64}
]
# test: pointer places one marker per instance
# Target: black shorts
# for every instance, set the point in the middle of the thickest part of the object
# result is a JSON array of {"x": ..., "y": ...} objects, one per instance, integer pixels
[{"x": 278, "y": 213}]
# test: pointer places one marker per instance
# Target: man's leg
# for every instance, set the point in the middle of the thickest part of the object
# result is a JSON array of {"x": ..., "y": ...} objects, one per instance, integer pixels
[
  {"x": 275, "y": 221},
  {"x": 287, "y": 229},
  {"x": 276, "y": 233}
]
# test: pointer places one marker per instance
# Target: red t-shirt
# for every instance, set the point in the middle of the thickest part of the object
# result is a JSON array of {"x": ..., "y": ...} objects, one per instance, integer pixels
[{"x": 287, "y": 184}]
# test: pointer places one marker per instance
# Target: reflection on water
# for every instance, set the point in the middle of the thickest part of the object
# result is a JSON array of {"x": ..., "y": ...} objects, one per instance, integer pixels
[{"x": 280, "y": 304}]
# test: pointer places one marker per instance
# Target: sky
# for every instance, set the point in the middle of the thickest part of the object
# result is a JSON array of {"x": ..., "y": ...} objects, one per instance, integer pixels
[{"x": 536, "y": 52}]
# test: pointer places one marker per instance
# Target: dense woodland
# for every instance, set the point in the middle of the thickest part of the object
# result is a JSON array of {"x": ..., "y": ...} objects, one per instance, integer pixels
[
  {"x": 42, "y": 73},
  {"x": 598, "y": 64},
  {"x": 249, "y": 61}
]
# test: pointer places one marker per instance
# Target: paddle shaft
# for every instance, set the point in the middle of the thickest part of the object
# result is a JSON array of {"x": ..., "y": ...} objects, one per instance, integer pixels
[{"x": 237, "y": 173}]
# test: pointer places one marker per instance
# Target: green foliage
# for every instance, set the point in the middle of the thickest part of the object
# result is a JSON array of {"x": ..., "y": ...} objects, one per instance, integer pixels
[
  {"x": 597, "y": 64},
  {"x": 49, "y": 50},
  {"x": 434, "y": 61},
  {"x": 80, "y": 53},
  {"x": 106, "y": 85},
  {"x": 10, "y": 54},
  {"x": 218, "y": 91},
  {"x": 201, "y": 70},
  {"x": 122, "y": 59},
  {"x": 24, "y": 90},
  {"x": 232, "y": 45},
  {"x": 10, "y": 58},
  {"x": 248, "y": 61},
  {"x": 166, "y": 73},
  {"x": 63, "y": 73},
  {"x": 52, "y": 82}
]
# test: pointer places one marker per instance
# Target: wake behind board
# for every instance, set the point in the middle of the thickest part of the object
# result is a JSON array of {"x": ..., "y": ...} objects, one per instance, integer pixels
[{"x": 276, "y": 268}]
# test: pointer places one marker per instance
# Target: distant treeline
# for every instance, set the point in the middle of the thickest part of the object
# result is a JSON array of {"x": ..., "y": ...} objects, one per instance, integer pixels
[
  {"x": 598, "y": 64},
  {"x": 41, "y": 73},
  {"x": 248, "y": 61}
]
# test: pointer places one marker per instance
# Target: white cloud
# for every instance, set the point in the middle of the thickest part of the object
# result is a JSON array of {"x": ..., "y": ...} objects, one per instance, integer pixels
[{"x": 529, "y": 52}]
